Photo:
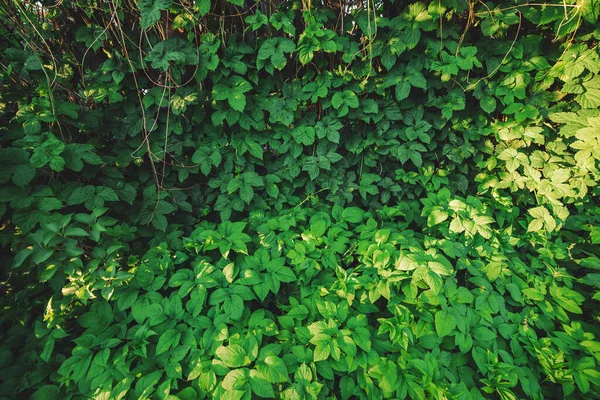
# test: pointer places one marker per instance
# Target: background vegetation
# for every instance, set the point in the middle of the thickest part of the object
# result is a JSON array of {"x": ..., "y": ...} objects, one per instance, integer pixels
[{"x": 299, "y": 199}]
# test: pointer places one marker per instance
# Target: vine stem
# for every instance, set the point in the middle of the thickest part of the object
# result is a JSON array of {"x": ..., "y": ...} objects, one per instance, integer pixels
[
  {"x": 512, "y": 45},
  {"x": 532, "y": 5},
  {"x": 145, "y": 132}
]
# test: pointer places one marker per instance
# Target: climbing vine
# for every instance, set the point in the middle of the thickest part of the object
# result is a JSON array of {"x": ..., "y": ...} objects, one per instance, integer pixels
[{"x": 299, "y": 199}]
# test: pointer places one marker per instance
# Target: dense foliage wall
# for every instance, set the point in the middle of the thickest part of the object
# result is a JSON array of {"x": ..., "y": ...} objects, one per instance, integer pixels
[{"x": 297, "y": 199}]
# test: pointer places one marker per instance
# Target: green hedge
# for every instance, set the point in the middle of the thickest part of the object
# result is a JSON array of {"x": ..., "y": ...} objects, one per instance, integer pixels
[{"x": 288, "y": 199}]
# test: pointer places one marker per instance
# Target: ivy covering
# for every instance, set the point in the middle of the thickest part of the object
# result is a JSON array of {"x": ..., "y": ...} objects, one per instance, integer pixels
[{"x": 299, "y": 199}]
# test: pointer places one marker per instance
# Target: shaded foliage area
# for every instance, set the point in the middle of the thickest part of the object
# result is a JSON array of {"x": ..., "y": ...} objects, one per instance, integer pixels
[{"x": 299, "y": 200}]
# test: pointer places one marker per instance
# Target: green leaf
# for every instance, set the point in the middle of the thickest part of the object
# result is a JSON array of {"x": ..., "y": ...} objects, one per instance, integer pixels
[
  {"x": 47, "y": 352},
  {"x": 127, "y": 300},
  {"x": 464, "y": 295},
  {"x": 305, "y": 53},
  {"x": 234, "y": 307},
  {"x": 145, "y": 384},
  {"x": 416, "y": 79},
  {"x": 274, "y": 50},
  {"x": 48, "y": 273},
  {"x": 343, "y": 100},
  {"x": 437, "y": 216},
  {"x": 347, "y": 387},
  {"x": 488, "y": 104},
  {"x": 304, "y": 135},
  {"x": 237, "y": 101},
  {"x": 445, "y": 323},
  {"x": 273, "y": 369},
  {"x": 353, "y": 215},
  {"x": 528, "y": 111},
  {"x": 245, "y": 185},
  {"x": 49, "y": 152},
  {"x": 234, "y": 356},
  {"x": 311, "y": 165},
  {"x": 321, "y": 351},
  {"x": 260, "y": 386},
  {"x": 150, "y": 11},
  {"x": 169, "y": 339},
  {"x": 402, "y": 90},
  {"x": 207, "y": 158},
  {"x": 172, "y": 52},
  {"x": 46, "y": 392},
  {"x": 595, "y": 235},
  {"x": 23, "y": 174},
  {"x": 81, "y": 195},
  {"x": 483, "y": 333},
  {"x": 107, "y": 194},
  {"x": 74, "y": 231},
  {"x": 203, "y": 7}
]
